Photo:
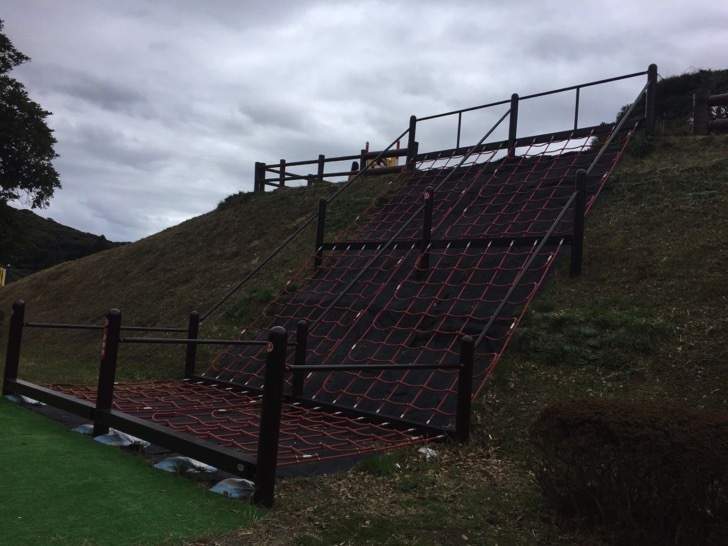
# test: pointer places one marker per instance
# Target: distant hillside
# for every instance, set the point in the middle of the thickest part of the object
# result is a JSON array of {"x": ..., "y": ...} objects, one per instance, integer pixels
[{"x": 30, "y": 243}]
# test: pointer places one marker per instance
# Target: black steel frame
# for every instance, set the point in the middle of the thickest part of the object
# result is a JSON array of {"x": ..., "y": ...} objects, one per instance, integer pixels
[{"x": 282, "y": 173}]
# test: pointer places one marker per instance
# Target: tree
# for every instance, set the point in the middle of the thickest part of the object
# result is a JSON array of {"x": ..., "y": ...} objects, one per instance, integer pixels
[{"x": 26, "y": 141}]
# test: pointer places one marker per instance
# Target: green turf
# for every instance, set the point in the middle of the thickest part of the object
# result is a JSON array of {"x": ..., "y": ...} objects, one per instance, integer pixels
[{"x": 61, "y": 487}]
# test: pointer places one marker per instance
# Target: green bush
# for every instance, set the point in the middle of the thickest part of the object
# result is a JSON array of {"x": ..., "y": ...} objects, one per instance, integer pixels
[{"x": 643, "y": 473}]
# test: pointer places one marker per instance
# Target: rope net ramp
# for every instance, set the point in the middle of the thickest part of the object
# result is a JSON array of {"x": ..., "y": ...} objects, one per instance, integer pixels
[{"x": 401, "y": 310}]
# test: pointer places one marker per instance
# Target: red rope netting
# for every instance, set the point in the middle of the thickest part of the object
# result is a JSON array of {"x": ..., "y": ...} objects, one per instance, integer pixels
[
  {"x": 230, "y": 417},
  {"x": 401, "y": 309}
]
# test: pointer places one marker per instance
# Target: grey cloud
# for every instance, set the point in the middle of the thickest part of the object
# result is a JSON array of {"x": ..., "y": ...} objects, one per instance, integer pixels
[
  {"x": 274, "y": 113},
  {"x": 102, "y": 93},
  {"x": 104, "y": 143},
  {"x": 166, "y": 105}
]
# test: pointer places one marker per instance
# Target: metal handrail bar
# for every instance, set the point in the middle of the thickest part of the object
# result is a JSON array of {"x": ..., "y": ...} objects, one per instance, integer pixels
[
  {"x": 53, "y": 325},
  {"x": 548, "y": 235},
  {"x": 544, "y": 138},
  {"x": 413, "y": 244},
  {"x": 169, "y": 340},
  {"x": 56, "y": 325},
  {"x": 525, "y": 269},
  {"x": 617, "y": 128},
  {"x": 400, "y": 152},
  {"x": 581, "y": 86},
  {"x": 366, "y": 367},
  {"x": 152, "y": 329},
  {"x": 257, "y": 268},
  {"x": 463, "y": 110},
  {"x": 534, "y": 95}
]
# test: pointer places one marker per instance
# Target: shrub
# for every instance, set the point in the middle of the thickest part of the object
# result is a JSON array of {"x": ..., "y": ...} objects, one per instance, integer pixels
[{"x": 644, "y": 473}]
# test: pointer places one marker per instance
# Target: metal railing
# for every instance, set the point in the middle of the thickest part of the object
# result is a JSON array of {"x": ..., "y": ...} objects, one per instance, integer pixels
[
  {"x": 263, "y": 467},
  {"x": 101, "y": 412},
  {"x": 282, "y": 168},
  {"x": 515, "y": 101},
  {"x": 412, "y": 155},
  {"x": 383, "y": 248}
]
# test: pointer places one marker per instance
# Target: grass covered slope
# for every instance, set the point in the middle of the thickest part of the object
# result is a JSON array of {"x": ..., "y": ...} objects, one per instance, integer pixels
[
  {"x": 645, "y": 321},
  {"x": 159, "y": 280}
]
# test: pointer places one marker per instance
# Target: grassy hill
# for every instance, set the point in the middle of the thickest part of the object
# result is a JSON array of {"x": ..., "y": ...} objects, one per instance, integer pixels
[
  {"x": 30, "y": 243},
  {"x": 646, "y": 321}
]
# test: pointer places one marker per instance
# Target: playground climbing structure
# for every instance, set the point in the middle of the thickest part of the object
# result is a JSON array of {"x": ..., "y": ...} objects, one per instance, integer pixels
[{"x": 391, "y": 329}]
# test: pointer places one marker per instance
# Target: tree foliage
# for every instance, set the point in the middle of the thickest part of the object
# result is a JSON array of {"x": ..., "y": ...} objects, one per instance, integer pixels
[
  {"x": 26, "y": 141},
  {"x": 674, "y": 94}
]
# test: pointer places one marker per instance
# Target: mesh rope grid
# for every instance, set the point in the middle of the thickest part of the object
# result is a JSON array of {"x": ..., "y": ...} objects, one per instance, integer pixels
[
  {"x": 398, "y": 312},
  {"x": 230, "y": 418}
]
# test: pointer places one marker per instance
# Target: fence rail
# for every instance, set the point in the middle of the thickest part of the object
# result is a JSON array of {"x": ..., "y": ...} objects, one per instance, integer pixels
[
  {"x": 282, "y": 172},
  {"x": 412, "y": 157},
  {"x": 263, "y": 467},
  {"x": 704, "y": 107}
]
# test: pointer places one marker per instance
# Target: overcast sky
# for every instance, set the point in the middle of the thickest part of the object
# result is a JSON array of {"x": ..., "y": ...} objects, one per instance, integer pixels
[{"x": 161, "y": 108}]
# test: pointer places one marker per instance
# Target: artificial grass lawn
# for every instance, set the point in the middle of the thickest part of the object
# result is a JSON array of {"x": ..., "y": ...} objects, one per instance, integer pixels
[{"x": 60, "y": 487}]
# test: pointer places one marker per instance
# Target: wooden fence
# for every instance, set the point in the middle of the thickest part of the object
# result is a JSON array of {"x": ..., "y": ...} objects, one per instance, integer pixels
[{"x": 704, "y": 106}]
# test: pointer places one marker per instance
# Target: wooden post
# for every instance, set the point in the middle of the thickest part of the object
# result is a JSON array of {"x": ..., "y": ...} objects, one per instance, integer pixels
[
  {"x": 465, "y": 387},
  {"x": 321, "y": 164},
  {"x": 411, "y": 144},
  {"x": 650, "y": 100},
  {"x": 282, "y": 176},
  {"x": 259, "y": 177},
  {"x": 107, "y": 370},
  {"x": 318, "y": 257},
  {"x": 513, "y": 126},
  {"x": 701, "y": 113},
  {"x": 193, "y": 328},
  {"x": 270, "y": 418},
  {"x": 15, "y": 337}
]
